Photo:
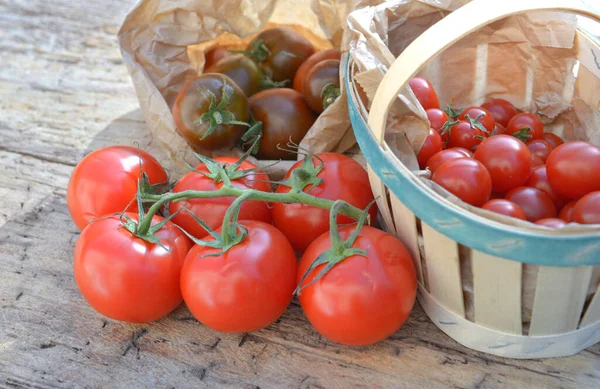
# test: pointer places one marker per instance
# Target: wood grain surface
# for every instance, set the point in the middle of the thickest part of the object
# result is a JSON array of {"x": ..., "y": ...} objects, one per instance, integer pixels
[{"x": 64, "y": 92}]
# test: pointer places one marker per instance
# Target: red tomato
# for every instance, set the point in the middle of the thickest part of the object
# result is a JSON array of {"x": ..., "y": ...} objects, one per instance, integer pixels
[
  {"x": 424, "y": 92},
  {"x": 126, "y": 278},
  {"x": 535, "y": 203},
  {"x": 246, "y": 288},
  {"x": 526, "y": 126},
  {"x": 498, "y": 130},
  {"x": 566, "y": 213},
  {"x": 482, "y": 115},
  {"x": 536, "y": 161},
  {"x": 361, "y": 300},
  {"x": 212, "y": 211},
  {"x": 551, "y": 222},
  {"x": 505, "y": 207},
  {"x": 106, "y": 182},
  {"x": 433, "y": 144},
  {"x": 539, "y": 180},
  {"x": 343, "y": 179},
  {"x": 587, "y": 209},
  {"x": 507, "y": 159},
  {"x": 464, "y": 135},
  {"x": 466, "y": 178},
  {"x": 553, "y": 139},
  {"x": 574, "y": 169},
  {"x": 501, "y": 109},
  {"x": 437, "y": 118},
  {"x": 540, "y": 147},
  {"x": 445, "y": 155}
]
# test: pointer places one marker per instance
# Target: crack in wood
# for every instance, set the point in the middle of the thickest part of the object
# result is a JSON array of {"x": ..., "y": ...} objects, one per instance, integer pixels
[{"x": 134, "y": 342}]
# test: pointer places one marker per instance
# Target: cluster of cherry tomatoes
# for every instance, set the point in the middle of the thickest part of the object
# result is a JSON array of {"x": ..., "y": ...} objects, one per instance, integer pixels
[
  {"x": 279, "y": 81},
  {"x": 501, "y": 160}
]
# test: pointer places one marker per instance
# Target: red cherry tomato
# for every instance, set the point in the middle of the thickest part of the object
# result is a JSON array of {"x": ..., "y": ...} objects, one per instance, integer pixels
[
  {"x": 587, "y": 209},
  {"x": 505, "y": 207},
  {"x": 525, "y": 126},
  {"x": 501, "y": 109},
  {"x": 464, "y": 135},
  {"x": 482, "y": 115},
  {"x": 539, "y": 180},
  {"x": 535, "y": 203},
  {"x": 437, "y": 118},
  {"x": 433, "y": 144},
  {"x": 551, "y": 222},
  {"x": 445, "y": 155},
  {"x": 574, "y": 169},
  {"x": 507, "y": 159},
  {"x": 553, "y": 139},
  {"x": 498, "y": 130},
  {"x": 566, "y": 213},
  {"x": 424, "y": 92},
  {"x": 536, "y": 161},
  {"x": 361, "y": 300},
  {"x": 466, "y": 178},
  {"x": 540, "y": 147}
]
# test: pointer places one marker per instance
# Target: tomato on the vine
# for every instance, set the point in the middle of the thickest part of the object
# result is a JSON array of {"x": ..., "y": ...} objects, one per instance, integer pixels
[
  {"x": 525, "y": 126},
  {"x": 310, "y": 63},
  {"x": 437, "y": 118},
  {"x": 501, "y": 109},
  {"x": 242, "y": 70},
  {"x": 504, "y": 207},
  {"x": 465, "y": 178},
  {"x": 574, "y": 169},
  {"x": 322, "y": 85},
  {"x": 587, "y": 209},
  {"x": 445, "y": 155},
  {"x": 424, "y": 92},
  {"x": 433, "y": 144},
  {"x": 479, "y": 115},
  {"x": 535, "y": 203},
  {"x": 465, "y": 135}
]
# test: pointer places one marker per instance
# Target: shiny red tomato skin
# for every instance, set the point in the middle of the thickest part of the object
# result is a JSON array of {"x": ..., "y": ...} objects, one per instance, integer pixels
[
  {"x": 343, "y": 179},
  {"x": 501, "y": 109},
  {"x": 504, "y": 207},
  {"x": 466, "y": 178},
  {"x": 553, "y": 139},
  {"x": 465, "y": 136},
  {"x": 566, "y": 213},
  {"x": 361, "y": 300},
  {"x": 445, "y": 155},
  {"x": 126, "y": 278},
  {"x": 535, "y": 203},
  {"x": 539, "y": 180},
  {"x": 507, "y": 159},
  {"x": 587, "y": 209},
  {"x": 522, "y": 120},
  {"x": 437, "y": 118},
  {"x": 485, "y": 117},
  {"x": 574, "y": 169},
  {"x": 106, "y": 182},
  {"x": 433, "y": 145},
  {"x": 212, "y": 211},
  {"x": 540, "y": 147},
  {"x": 245, "y": 289},
  {"x": 424, "y": 92},
  {"x": 498, "y": 130},
  {"x": 537, "y": 161},
  {"x": 552, "y": 222}
]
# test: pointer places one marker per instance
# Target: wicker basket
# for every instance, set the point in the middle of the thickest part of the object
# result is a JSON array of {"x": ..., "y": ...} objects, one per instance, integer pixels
[{"x": 443, "y": 236}]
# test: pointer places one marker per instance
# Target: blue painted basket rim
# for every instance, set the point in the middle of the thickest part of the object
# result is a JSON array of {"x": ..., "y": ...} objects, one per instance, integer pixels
[{"x": 464, "y": 227}]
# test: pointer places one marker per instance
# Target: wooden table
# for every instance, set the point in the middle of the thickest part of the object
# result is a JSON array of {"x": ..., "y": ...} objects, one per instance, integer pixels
[{"x": 65, "y": 92}]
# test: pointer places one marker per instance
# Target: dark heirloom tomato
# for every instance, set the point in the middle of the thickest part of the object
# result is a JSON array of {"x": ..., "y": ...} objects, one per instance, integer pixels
[
  {"x": 445, "y": 155},
  {"x": 465, "y": 178},
  {"x": 587, "y": 209},
  {"x": 525, "y": 126},
  {"x": 574, "y": 169},
  {"x": 482, "y": 115},
  {"x": 535, "y": 203},
  {"x": 279, "y": 52},
  {"x": 240, "y": 69},
  {"x": 285, "y": 116},
  {"x": 504, "y": 207},
  {"x": 322, "y": 85},
  {"x": 310, "y": 63},
  {"x": 201, "y": 95},
  {"x": 214, "y": 55},
  {"x": 433, "y": 144},
  {"x": 424, "y": 92},
  {"x": 501, "y": 109}
]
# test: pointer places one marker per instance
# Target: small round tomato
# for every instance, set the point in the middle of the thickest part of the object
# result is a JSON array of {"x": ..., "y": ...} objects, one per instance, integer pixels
[
  {"x": 504, "y": 207},
  {"x": 507, "y": 159},
  {"x": 424, "y": 92},
  {"x": 212, "y": 211},
  {"x": 244, "y": 289},
  {"x": 536, "y": 161},
  {"x": 437, "y": 118},
  {"x": 587, "y": 209},
  {"x": 309, "y": 63},
  {"x": 574, "y": 169},
  {"x": 126, "y": 278},
  {"x": 242, "y": 70},
  {"x": 525, "y": 126},
  {"x": 285, "y": 117},
  {"x": 566, "y": 213},
  {"x": 498, "y": 130},
  {"x": 535, "y": 203},
  {"x": 501, "y": 109},
  {"x": 539, "y": 180},
  {"x": 322, "y": 85},
  {"x": 553, "y": 139},
  {"x": 343, "y": 179},
  {"x": 194, "y": 101},
  {"x": 481, "y": 115},
  {"x": 361, "y": 300},
  {"x": 445, "y": 155},
  {"x": 214, "y": 55},
  {"x": 106, "y": 182},
  {"x": 465, "y": 178},
  {"x": 433, "y": 144},
  {"x": 465, "y": 135},
  {"x": 540, "y": 147},
  {"x": 551, "y": 222}
]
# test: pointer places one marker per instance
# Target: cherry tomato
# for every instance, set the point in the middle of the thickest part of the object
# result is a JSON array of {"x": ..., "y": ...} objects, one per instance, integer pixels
[
  {"x": 126, "y": 278},
  {"x": 536, "y": 161},
  {"x": 106, "y": 182},
  {"x": 539, "y": 180},
  {"x": 540, "y": 147},
  {"x": 285, "y": 116},
  {"x": 566, "y": 213},
  {"x": 214, "y": 55},
  {"x": 242, "y": 70},
  {"x": 424, "y": 92},
  {"x": 553, "y": 139},
  {"x": 246, "y": 288},
  {"x": 482, "y": 115},
  {"x": 464, "y": 135},
  {"x": 194, "y": 100},
  {"x": 212, "y": 211},
  {"x": 507, "y": 159},
  {"x": 525, "y": 126},
  {"x": 437, "y": 118},
  {"x": 310, "y": 63},
  {"x": 343, "y": 179},
  {"x": 465, "y": 178},
  {"x": 574, "y": 169},
  {"x": 361, "y": 300},
  {"x": 433, "y": 144},
  {"x": 551, "y": 222},
  {"x": 322, "y": 85},
  {"x": 498, "y": 130},
  {"x": 445, "y": 155},
  {"x": 587, "y": 209},
  {"x": 505, "y": 207},
  {"x": 535, "y": 203},
  {"x": 501, "y": 109}
]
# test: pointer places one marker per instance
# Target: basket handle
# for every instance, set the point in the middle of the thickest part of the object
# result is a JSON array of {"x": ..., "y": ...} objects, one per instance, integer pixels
[{"x": 446, "y": 32}]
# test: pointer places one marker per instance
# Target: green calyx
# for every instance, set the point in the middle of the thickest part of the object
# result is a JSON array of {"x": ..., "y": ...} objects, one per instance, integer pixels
[
  {"x": 524, "y": 134},
  {"x": 307, "y": 175},
  {"x": 448, "y": 125},
  {"x": 267, "y": 82},
  {"x": 258, "y": 52},
  {"x": 475, "y": 123},
  {"x": 217, "y": 113},
  {"x": 452, "y": 112},
  {"x": 329, "y": 93},
  {"x": 251, "y": 138}
]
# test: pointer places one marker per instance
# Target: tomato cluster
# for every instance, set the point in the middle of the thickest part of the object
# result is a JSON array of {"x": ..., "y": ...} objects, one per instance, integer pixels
[
  {"x": 250, "y": 91},
  {"x": 501, "y": 160}
]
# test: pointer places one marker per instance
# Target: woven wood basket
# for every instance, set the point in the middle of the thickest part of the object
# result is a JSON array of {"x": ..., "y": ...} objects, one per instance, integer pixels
[{"x": 444, "y": 238}]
